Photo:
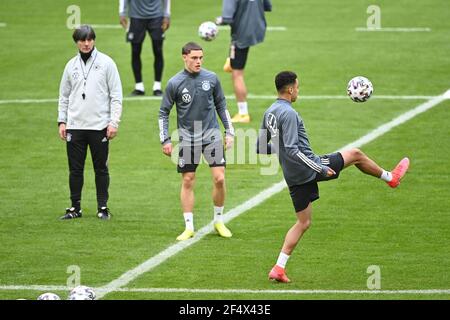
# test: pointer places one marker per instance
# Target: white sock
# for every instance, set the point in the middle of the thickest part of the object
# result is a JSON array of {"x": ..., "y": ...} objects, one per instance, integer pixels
[
  {"x": 282, "y": 260},
  {"x": 189, "y": 220},
  {"x": 156, "y": 85},
  {"x": 243, "y": 107},
  {"x": 139, "y": 86},
  {"x": 386, "y": 176},
  {"x": 218, "y": 214}
]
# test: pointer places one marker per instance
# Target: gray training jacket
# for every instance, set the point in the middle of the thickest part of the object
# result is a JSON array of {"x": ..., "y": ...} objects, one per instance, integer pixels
[
  {"x": 284, "y": 127},
  {"x": 197, "y": 97},
  {"x": 247, "y": 20},
  {"x": 144, "y": 9}
]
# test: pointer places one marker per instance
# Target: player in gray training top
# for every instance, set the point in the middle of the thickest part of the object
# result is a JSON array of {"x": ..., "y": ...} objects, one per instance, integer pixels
[
  {"x": 248, "y": 28},
  {"x": 152, "y": 16},
  {"x": 198, "y": 95},
  {"x": 302, "y": 168}
]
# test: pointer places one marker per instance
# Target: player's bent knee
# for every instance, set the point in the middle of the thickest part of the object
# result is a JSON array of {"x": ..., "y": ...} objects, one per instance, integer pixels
[
  {"x": 305, "y": 225},
  {"x": 188, "y": 180},
  {"x": 357, "y": 154},
  {"x": 219, "y": 180},
  {"x": 352, "y": 156}
]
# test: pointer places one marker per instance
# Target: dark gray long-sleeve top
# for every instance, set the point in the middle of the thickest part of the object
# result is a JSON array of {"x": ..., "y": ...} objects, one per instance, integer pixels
[
  {"x": 197, "y": 96},
  {"x": 247, "y": 20},
  {"x": 144, "y": 9},
  {"x": 283, "y": 126}
]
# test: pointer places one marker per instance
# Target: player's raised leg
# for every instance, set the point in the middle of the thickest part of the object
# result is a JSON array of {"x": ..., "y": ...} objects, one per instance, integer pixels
[
  {"x": 218, "y": 195},
  {"x": 293, "y": 236},
  {"x": 356, "y": 157},
  {"x": 187, "y": 204}
]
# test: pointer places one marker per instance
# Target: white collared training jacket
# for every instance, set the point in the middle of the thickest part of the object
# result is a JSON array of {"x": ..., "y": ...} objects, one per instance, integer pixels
[{"x": 102, "y": 102}]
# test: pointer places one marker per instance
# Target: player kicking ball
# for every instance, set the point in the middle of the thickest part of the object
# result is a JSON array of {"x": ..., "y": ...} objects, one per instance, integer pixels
[{"x": 283, "y": 132}]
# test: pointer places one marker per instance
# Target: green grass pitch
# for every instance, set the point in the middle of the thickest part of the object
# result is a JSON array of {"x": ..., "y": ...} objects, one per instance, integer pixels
[{"x": 358, "y": 221}]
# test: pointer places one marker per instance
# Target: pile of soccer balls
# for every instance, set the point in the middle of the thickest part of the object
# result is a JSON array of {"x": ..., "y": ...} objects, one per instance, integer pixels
[
  {"x": 77, "y": 293},
  {"x": 359, "y": 89},
  {"x": 208, "y": 31}
]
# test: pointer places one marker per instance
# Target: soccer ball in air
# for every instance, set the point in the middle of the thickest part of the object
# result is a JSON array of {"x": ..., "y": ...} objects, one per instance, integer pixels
[
  {"x": 82, "y": 293},
  {"x": 208, "y": 31},
  {"x": 359, "y": 89},
  {"x": 49, "y": 296}
]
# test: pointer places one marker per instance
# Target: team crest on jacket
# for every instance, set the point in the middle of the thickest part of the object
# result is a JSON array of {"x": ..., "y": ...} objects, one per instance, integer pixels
[
  {"x": 206, "y": 85},
  {"x": 75, "y": 76}
]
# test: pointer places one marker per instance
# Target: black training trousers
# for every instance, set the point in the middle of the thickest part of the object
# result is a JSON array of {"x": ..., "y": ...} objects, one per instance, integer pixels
[{"x": 77, "y": 144}]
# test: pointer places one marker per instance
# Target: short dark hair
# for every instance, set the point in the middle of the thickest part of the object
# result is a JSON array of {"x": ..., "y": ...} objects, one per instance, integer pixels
[
  {"x": 188, "y": 47},
  {"x": 284, "y": 79},
  {"x": 83, "y": 32}
]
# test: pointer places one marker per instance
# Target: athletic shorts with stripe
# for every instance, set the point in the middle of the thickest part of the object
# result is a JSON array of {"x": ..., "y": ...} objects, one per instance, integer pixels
[
  {"x": 189, "y": 156},
  {"x": 303, "y": 194},
  {"x": 138, "y": 27}
]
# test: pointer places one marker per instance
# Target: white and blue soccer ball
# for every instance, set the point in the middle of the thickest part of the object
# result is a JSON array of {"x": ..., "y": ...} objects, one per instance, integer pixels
[
  {"x": 208, "y": 31},
  {"x": 49, "y": 296},
  {"x": 82, "y": 293},
  {"x": 359, "y": 89}
]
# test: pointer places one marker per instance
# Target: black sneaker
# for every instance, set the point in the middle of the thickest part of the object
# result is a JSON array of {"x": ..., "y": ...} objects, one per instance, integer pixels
[
  {"x": 71, "y": 213},
  {"x": 157, "y": 93},
  {"x": 103, "y": 213},
  {"x": 136, "y": 92}
]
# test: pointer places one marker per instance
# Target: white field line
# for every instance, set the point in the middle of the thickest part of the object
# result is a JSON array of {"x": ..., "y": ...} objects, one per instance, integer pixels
[
  {"x": 118, "y": 26},
  {"x": 161, "y": 257},
  {"x": 252, "y": 291},
  {"x": 394, "y": 29},
  {"x": 232, "y": 97},
  {"x": 269, "y": 28},
  {"x": 235, "y": 291},
  {"x": 107, "y": 26},
  {"x": 34, "y": 287},
  {"x": 2, "y": 25}
]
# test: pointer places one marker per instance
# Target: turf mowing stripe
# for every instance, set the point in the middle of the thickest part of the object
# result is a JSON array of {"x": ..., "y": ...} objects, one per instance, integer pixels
[
  {"x": 158, "y": 259},
  {"x": 250, "y": 96}
]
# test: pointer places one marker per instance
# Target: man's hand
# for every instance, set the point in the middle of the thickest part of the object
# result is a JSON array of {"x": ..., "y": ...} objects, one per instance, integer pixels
[
  {"x": 124, "y": 22},
  {"x": 165, "y": 24},
  {"x": 62, "y": 131},
  {"x": 327, "y": 172},
  {"x": 167, "y": 149},
  {"x": 330, "y": 172},
  {"x": 229, "y": 141},
  {"x": 111, "y": 132}
]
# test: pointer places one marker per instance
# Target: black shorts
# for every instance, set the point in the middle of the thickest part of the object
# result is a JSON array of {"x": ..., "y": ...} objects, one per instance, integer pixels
[
  {"x": 238, "y": 57},
  {"x": 189, "y": 156},
  {"x": 303, "y": 194},
  {"x": 136, "y": 32}
]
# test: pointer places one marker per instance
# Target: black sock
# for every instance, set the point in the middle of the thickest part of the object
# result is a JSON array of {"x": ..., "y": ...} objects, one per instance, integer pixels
[{"x": 77, "y": 205}]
